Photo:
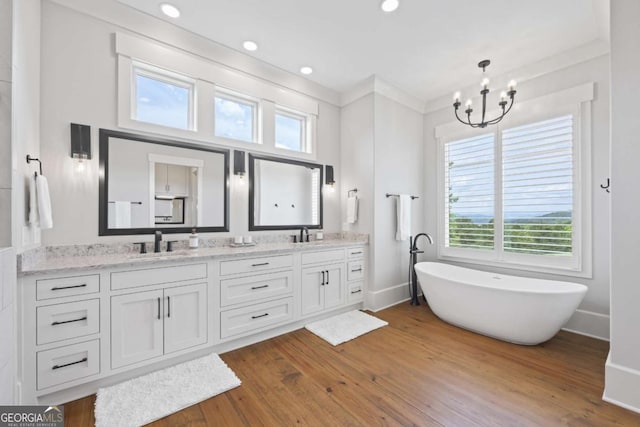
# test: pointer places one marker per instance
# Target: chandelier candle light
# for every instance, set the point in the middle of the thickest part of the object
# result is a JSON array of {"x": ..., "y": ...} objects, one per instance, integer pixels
[{"x": 485, "y": 90}]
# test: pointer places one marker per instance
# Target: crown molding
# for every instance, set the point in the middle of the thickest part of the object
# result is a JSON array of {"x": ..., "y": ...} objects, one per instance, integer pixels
[{"x": 374, "y": 84}]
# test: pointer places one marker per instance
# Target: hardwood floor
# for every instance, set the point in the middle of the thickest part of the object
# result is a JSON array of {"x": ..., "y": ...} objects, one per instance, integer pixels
[{"x": 416, "y": 371}]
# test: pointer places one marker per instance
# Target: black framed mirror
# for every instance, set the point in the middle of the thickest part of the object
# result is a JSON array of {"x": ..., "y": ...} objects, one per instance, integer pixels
[
  {"x": 149, "y": 183},
  {"x": 284, "y": 194}
]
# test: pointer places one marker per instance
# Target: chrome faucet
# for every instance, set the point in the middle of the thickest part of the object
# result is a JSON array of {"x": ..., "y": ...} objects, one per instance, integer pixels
[
  {"x": 304, "y": 231},
  {"x": 156, "y": 243}
]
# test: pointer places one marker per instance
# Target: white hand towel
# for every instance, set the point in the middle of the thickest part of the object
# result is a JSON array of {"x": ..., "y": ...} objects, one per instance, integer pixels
[
  {"x": 34, "y": 218},
  {"x": 123, "y": 214},
  {"x": 352, "y": 209},
  {"x": 44, "y": 202},
  {"x": 403, "y": 211}
]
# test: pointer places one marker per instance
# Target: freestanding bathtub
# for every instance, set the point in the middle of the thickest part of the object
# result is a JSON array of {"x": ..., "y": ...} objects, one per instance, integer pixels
[{"x": 515, "y": 309}]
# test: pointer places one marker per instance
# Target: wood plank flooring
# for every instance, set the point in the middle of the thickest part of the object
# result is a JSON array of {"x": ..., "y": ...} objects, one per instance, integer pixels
[{"x": 416, "y": 371}]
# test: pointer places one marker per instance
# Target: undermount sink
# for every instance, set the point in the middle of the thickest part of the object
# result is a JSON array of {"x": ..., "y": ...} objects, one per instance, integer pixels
[{"x": 156, "y": 255}]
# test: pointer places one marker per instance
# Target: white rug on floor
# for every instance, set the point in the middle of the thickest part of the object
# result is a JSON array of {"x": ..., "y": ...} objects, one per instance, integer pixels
[
  {"x": 158, "y": 394},
  {"x": 345, "y": 327}
]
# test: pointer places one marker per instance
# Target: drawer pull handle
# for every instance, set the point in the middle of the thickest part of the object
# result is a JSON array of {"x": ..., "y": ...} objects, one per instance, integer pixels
[
  {"x": 356, "y": 292},
  {"x": 61, "y": 288},
  {"x": 262, "y": 264},
  {"x": 355, "y": 271},
  {"x": 259, "y": 287},
  {"x": 356, "y": 253},
  {"x": 259, "y": 316},
  {"x": 69, "y": 321},
  {"x": 69, "y": 364}
]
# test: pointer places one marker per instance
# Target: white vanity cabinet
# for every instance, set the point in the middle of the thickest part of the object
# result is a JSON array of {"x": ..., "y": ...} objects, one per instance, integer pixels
[
  {"x": 356, "y": 273},
  {"x": 170, "y": 316},
  {"x": 149, "y": 324},
  {"x": 85, "y": 329},
  {"x": 323, "y": 281}
]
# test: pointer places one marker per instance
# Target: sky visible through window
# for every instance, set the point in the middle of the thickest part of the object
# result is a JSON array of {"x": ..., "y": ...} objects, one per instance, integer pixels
[
  {"x": 289, "y": 132},
  {"x": 234, "y": 119},
  {"x": 162, "y": 103}
]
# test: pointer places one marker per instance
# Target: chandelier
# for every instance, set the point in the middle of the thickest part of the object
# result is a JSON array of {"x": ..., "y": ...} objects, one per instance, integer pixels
[{"x": 483, "y": 123}]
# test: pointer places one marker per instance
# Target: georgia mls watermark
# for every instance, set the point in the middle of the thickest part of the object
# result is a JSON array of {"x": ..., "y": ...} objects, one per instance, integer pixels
[{"x": 32, "y": 416}]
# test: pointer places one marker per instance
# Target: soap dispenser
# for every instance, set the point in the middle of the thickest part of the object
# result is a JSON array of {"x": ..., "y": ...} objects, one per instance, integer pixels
[{"x": 193, "y": 239}]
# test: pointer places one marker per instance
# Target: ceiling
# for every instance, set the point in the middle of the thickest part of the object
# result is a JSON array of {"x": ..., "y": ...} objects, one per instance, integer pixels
[{"x": 426, "y": 48}]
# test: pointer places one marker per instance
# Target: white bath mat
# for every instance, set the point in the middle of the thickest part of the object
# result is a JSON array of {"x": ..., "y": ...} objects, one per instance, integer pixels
[
  {"x": 345, "y": 327},
  {"x": 158, "y": 394}
]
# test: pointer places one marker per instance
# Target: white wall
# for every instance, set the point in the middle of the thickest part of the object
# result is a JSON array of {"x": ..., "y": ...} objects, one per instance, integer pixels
[
  {"x": 592, "y": 317},
  {"x": 26, "y": 115},
  {"x": 6, "y": 38},
  {"x": 82, "y": 72},
  {"x": 382, "y": 153},
  {"x": 398, "y": 169},
  {"x": 622, "y": 377}
]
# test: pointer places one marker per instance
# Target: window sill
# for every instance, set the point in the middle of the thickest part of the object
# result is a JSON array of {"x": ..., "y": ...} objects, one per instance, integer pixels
[{"x": 585, "y": 273}]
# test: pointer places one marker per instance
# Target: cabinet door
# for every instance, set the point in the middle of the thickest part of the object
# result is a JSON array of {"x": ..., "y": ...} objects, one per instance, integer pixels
[
  {"x": 185, "y": 321},
  {"x": 177, "y": 180},
  {"x": 136, "y": 327},
  {"x": 334, "y": 289},
  {"x": 312, "y": 289},
  {"x": 161, "y": 178}
]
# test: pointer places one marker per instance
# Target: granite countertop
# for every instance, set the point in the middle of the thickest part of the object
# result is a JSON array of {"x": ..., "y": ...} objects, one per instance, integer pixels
[{"x": 76, "y": 263}]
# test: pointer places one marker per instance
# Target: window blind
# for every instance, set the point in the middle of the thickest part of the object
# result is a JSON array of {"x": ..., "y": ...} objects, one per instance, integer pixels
[
  {"x": 469, "y": 192},
  {"x": 537, "y": 187}
]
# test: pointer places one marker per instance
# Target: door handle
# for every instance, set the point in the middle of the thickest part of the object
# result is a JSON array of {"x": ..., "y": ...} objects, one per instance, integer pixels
[
  {"x": 327, "y": 277},
  {"x": 69, "y": 364},
  {"x": 168, "y": 306},
  {"x": 260, "y": 264},
  {"x": 60, "y": 288},
  {"x": 158, "y": 308},
  {"x": 322, "y": 283},
  {"x": 69, "y": 321}
]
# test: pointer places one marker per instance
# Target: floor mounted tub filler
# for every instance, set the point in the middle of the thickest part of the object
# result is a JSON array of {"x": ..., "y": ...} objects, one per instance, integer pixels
[{"x": 515, "y": 309}]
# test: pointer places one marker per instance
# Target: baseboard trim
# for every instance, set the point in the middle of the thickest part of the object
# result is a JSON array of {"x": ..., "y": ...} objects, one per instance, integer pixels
[
  {"x": 590, "y": 324},
  {"x": 621, "y": 385},
  {"x": 388, "y": 297}
]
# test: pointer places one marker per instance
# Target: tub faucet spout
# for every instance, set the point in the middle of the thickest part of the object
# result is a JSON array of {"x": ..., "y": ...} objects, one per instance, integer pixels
[{"x": 413, "y": 278}]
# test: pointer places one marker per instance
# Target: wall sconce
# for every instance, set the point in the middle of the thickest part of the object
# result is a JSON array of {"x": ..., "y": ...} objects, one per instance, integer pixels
[
  {"x": 80, "y": 144},
  {"x": 239, "y": 168},
  {"x": 329, "y": 179}
]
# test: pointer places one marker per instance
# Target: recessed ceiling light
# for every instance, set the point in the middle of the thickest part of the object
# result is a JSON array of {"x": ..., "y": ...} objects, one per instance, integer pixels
[
  {"x": 250, "y": 45},
  {"x": 306, "y": 70},
  {"x": 389, "y": 5},
  {"x": 170, "y": 10}
]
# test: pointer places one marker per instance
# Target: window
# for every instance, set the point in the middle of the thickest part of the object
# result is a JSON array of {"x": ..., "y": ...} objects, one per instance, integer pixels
[
  {"x": 510, "y": 196},
  {"x": 236, "y": 118},
  {"x": 162, "y": 97},
  {"x": 291, "y": 130}
]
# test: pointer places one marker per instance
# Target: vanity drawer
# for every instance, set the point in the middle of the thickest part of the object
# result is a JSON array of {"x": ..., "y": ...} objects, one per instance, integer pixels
[
  {"x": 354, "y": 253},
  {"x": 64, "y": 364},
  {"x": 322, "y": 256},
  {"x": 67, "y": 286},
  {"x": 355, "y": 292},
  {"x": 254, "y": 288},
  {"x": 70, "y": 320},
  {"x": 255, "y": 264},
  {"x": 157, "y": 276},
  {"x": 355, "y": 270},
  {"x": 255, "y": 317}
]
